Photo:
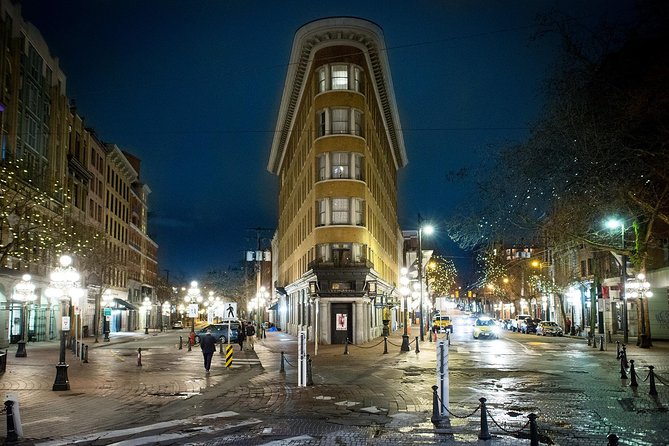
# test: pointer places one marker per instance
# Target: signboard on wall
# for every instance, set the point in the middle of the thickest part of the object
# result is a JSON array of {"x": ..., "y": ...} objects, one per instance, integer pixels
[{"x": 342, "y": 322}]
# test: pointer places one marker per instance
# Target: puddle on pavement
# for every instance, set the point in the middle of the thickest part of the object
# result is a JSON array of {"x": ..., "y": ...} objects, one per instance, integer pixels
[{"x": 181, "y": 395}]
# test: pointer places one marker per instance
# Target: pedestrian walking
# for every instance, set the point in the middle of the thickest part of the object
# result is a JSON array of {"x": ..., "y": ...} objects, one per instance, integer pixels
[
  {"x": 567, "y": 328},
  {"x": 250, "y": 336},
  {"x": 191, "y": 338},
  {"x": 208, "y": 346},
  {"x": 241, "y": 334}
]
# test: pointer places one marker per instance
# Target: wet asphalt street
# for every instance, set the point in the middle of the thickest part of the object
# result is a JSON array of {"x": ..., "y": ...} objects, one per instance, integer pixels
[{"x": 363, "y": 397}]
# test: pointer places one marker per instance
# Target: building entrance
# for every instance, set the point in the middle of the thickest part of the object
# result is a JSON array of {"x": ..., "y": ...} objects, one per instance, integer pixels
[{"x": 341, "y": 323}]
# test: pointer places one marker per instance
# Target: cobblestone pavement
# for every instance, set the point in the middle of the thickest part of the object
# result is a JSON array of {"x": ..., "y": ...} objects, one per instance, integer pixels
[{"x": 364, "y": 397}]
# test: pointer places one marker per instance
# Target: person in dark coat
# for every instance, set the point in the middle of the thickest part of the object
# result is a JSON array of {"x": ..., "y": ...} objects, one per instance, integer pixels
[
  {"x": 208, "y": 346},
  {"x": 241, "y": 335}
]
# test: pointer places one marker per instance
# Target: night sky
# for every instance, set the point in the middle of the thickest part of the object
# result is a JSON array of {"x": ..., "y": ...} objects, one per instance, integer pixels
[{"x": 193, "y": 89}]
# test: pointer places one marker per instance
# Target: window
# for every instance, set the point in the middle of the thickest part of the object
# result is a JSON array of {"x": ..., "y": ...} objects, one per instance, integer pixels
[
  {"x": 322, "y": 212},
  {"x": 322, "y": 80},
  {"x": 340, "y": 117},
  {"x": 339, "y": 77},
  {"x": 321, "y": 123},
  {"x": 357, "y": 165},
  {"x": 357, "y": 123},
  {"x": 340, "y": 211},
  {"x": 358, "y": 79},
  {"x": 340, "y": 168},
  {"x": 322, "y": 166},
  {"x": 359, "y": 212}
]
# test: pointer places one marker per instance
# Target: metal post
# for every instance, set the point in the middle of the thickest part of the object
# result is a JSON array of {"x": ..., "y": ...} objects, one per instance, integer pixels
[
  {"x": 310, "y": 381},
  {"x": 651, "y": 376},
  {"x": 534, "y": 432},
  {"x": 484, "y": 434},
  {"x": 86, "y": 355},
  {"x": 12, "y": 436},
  {"x": 181, "y": 342},
  {"x": 283, "y": 369},
  {"x": 617, "y": 349},
  {"x": 601, "y": 343},
  {"x": 417, "y": 348},
  {"x": 405, "y": 336},
  {"x": 385, "y": 345},
  {"x": 633, "y": 374},
  {"x": 623, "y": 373},
  {"x": 624, "y": 356},
  {"x": 346, "y": 347},
  {"x": 442, "y": 379},
  {"x": 139, "y": 357},
  {"x": 436, "y": 417}
]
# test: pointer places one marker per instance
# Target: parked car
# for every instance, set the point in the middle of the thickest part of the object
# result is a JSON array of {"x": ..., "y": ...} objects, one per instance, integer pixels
[
  {"x": 176, "y": 325},
  {"x": 528, "y": 326},
  {"x": 219, "y": 332},
  {"x": 549, "y": 328},
  {"x": 519, "y": 320},
  {"x": 485, "y": 328}
]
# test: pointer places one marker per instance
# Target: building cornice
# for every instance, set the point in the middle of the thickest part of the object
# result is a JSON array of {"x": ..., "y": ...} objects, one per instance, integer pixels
[{"x": 349, "y": 31}]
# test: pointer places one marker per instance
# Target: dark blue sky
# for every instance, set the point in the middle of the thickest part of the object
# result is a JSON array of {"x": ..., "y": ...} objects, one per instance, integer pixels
[{"x": 193, "y": 89}]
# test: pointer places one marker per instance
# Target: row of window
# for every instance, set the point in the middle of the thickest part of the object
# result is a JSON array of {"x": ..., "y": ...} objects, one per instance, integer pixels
[
  {"x": 341, "y": 252},
  {"x": 339, "y": 121},
  {"x": 341, "y": 211},
  {"x": 345, "y": 165},
  {"x": 340, "y": 76}
]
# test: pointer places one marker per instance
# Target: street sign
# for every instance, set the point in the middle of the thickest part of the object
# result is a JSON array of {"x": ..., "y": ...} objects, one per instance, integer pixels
[
  {"x": 230, "y": 310},
  {"x": 66, "y": 323},
  {"x": 192, "y": 310},
  {"x": 107, "y": 311}
]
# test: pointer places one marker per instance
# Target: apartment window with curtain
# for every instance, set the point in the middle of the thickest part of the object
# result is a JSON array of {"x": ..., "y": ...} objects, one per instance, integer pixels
[
  {"x": 322, "y": 80},
  {"x": 340, "y": 118},
  {"x": 340, "y": 165},
  {"x": 340, "y": 211},
  {"x": 357, "y": 163},
  {"x": 322, "y": 166},
  {"x": 322, "y": 212},
  {"x": 357, "y": 123},
  {"x": 321, "y": 123},
  {"x": 359, "y": 212},
  {"x": 339, "y": 77}
]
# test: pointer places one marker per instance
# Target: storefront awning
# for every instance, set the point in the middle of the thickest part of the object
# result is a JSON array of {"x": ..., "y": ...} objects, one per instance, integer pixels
[{"x": 120, "y": 303}]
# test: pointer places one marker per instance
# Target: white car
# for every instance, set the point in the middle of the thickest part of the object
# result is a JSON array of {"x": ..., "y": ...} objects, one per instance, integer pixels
[{"x": 548, "y": 328}]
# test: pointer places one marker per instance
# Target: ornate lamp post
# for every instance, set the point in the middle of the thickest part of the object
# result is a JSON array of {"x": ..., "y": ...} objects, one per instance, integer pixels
[
  {"x": 405, "y": 291},
  {"x": 146, "y": 306},
  {"x": 193, "y": 296},
  {"x": 64, "y": 287},
  {"x": 612, "y": 224},
  {"x": 107, "y": 300},
  {"x": 261, "y": 296},
  {"x": 428, "y": 229},
  {"x": 639, "y": 289},
  {"x": 24, "y": 291}
]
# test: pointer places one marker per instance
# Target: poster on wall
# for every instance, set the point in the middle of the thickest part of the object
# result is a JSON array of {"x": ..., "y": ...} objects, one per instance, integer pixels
[{"x": 342, "y": 321}]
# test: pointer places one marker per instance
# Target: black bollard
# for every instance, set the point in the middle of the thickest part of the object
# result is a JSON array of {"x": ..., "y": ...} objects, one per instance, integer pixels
[
  {"x": 385, "y": 345},
  {"x": 283, "y": 369},
  {"x": 651, "y": 376},
  {"x": 86, "y": 355},
  {"x": 633, "y": 383},
  {"x": 310, "y": 381},
  {"x": 624, "y": 356},
  {"x": 139, "y": 357},
  {"x": 346, "y": 347},
  {"x": 613, "y": 440},
  {"x": 534, "y": 432},
  {"x": 623, "y": 374},
  {"x": 617, "y": 349},
  {"x": 484, "y": 434},
  {"x": 448, "y": 338},
  {"x": 12, "y": 436},
  {"x": 601, "y": 343},
  {"x": 417, "y": 348},
  {"x": 181, "y": 342},
  {"x": 436, "y": 412}
]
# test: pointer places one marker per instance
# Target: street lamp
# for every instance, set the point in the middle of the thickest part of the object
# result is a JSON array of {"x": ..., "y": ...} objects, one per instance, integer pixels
[
  {"x": 107, "y": 299},
  {"x": 639, "y": 289},
  {"x": 612, "y": 224},
  {"x": 24, "y": 291},
  {"x": 193, "y": 297},
  {"x": 405, "y": 291},
  {"x": 64, "y": 286},
  {"x": 261, "y": 296},
  {"x": 428, "y": 229},
  {"x": 146, "y": 306}
]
